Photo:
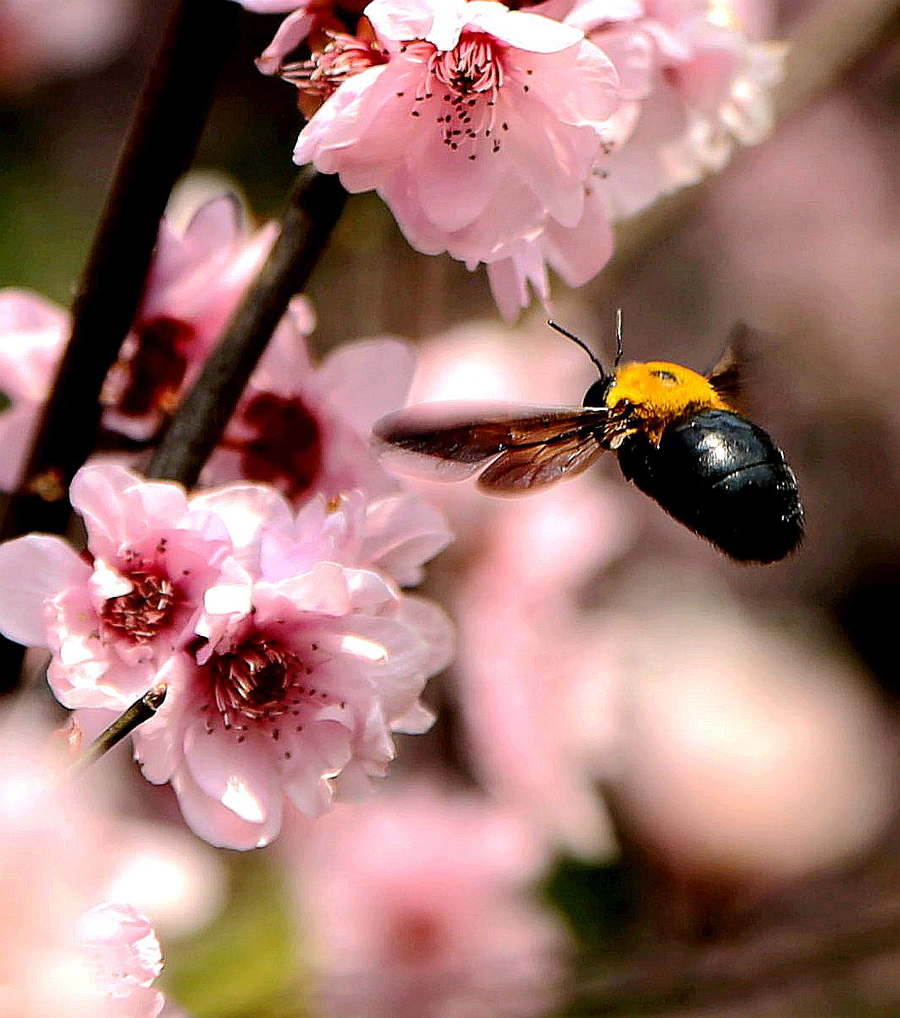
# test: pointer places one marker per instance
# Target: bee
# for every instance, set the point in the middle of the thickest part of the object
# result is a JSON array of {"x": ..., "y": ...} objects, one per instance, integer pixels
[{"x": 673, "y": 430}]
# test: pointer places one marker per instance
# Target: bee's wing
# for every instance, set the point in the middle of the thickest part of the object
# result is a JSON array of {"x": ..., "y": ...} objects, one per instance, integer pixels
[
  {"x": 451, "y": 441},
  {"x": 527, "y": 469}
]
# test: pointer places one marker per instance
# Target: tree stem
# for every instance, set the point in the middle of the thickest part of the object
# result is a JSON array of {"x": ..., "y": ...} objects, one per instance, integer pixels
[
  {"x": 167, "y": 124},
  {"x": 139, "y": 712},
  {"x": 314, "y": 208}
]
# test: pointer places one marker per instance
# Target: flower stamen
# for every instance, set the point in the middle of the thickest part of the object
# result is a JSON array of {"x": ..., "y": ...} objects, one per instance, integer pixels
[{"x": 145, "y": 610}]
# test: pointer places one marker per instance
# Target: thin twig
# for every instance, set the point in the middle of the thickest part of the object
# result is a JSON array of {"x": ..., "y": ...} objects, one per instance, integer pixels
[
  {"x": 313, "y": 210},
  {"x": 139, "y": 712}
]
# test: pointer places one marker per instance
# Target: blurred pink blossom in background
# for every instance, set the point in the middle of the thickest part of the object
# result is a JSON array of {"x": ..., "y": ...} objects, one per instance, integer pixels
[
  {"x": 65, "y": 949},
  {"x": 33, "y": 332},
  {"x": 419, "y": 904},
  {"x": 198, "y": 276},
  {"x": 744, "y": 749},
  {"x": 49, "y": 38}
]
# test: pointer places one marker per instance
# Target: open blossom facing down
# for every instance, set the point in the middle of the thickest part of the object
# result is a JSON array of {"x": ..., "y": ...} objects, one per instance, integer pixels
[
  {"x": 417, "y": 905},
  {"x": 307, "y": 429},
  {"x": 476, "y": 125},
  {"x": 290, "y": 658}
]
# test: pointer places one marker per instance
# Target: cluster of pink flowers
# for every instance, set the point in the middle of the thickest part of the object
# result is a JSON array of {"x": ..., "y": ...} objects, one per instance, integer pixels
[
  {"x": 290, "y": 652},
  {"x": 513, "y": 138}
]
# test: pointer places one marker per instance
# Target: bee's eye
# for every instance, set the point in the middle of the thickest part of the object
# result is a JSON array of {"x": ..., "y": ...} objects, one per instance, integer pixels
[
  {"x": 664, "y": 376},
  {"x": 596, "y": 395}
]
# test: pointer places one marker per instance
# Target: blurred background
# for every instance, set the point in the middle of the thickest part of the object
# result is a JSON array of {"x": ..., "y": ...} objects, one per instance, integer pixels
[{"x": 705, "y": 753}]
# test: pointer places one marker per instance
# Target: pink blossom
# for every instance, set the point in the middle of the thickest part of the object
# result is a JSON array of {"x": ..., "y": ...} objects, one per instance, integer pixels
[
  {"x": 306, "y": 666},
  {"x": 692, "y": 85},
  {"x": 33, "y": 333},
  {"x": 418, "y": 905},
  {"x": 123, "y": 953},
  {"x": 196, "y": 280},
  {"x": 538, "y": 680},
  {"x": 702, "y": 86},
  {"x": 64, "y": 950},
  {"x": 483, "y": 124},
  {"x": 48, "y": 38},
  {"x": 110, "y": 621},
  {"x": 744, "y": 749},
  {"x": 306, "y": 18},
  {"x": 307, "y": 429}
]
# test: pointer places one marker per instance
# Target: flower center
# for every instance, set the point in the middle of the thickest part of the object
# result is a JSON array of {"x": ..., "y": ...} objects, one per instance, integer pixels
[
  {"x": 143, "y": 612},
  {"x": 461, "y": 86},
  {"x": 415, "y": 938},
  {"x": 471, "y": 67},
  {"x": 254, "y": 679},
  {"x": 149, "y": 376},
  {"x": 285, "y": 446},
  {"x": 327, "y": 69}
]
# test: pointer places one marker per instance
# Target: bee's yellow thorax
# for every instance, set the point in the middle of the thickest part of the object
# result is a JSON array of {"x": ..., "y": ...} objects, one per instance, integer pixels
[{"x": 658, "y": 392}]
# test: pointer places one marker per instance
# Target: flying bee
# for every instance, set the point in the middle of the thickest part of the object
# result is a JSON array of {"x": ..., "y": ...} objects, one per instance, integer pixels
[{"x": 674, "y": 433}]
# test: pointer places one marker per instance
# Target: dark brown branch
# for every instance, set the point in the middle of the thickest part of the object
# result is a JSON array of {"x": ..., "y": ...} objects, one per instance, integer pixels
[
  {"x": 167, "y": 125},
  {"x": 139, "y": 712},
  {"x": 314, "y": 208}
]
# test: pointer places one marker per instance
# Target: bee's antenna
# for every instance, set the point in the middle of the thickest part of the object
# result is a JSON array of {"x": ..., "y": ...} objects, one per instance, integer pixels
[
  {"x": 618, "y": 337},
  {"x": 582, "y": 344}
]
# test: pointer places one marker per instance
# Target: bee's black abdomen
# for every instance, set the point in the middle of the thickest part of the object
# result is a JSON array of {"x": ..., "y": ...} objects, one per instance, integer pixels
[{"x": 725, "y": 479}]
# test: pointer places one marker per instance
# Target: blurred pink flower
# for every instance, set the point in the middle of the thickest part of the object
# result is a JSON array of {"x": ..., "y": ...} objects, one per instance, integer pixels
[
  {"x": 307, "y": 429},
  {"x": 122, "y": 952},
  {"x": 112, "y": 620},
  {"x": 418, "y": 905},
  {"x": 537, "y": 680},
  {"x": 482, "y": 125},
  {"x": 49, "y": 38},
  {"x": 63, "y": 951},
  {"x": 196, "y": 280},
  {"x": 33, "y": 333},
  {"x": 746, "y": 748},
  {"x": 699, "y": 85}
]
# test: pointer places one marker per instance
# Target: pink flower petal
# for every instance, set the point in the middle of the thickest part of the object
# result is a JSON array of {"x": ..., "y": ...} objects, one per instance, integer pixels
[
  {"x": 32, "y": 570},
  {"x": 521, "y": 29},
  {"x": 403, "y": 20},
  {"x": 292, "y": 31},
  {"x": 401, "y": 534},
  {"x": 366, "y": 380},
  {"x": 239, "y": 776},
  {"x": 209, "y": 819}
]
